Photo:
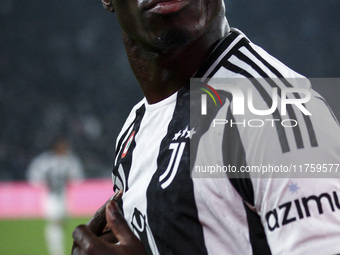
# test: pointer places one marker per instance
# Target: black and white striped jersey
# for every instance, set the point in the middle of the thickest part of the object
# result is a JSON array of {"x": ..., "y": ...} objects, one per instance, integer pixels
[{"x": 172, "y": 212}]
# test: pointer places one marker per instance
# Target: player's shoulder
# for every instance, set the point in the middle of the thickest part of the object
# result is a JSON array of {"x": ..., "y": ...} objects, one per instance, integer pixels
[
  {"x": 42, "y": 157},
  {"x": 133, "y": 113},
  {"x": 40, "y": 162},
  {"x": 272, "y": 66},
  {"x": 74, "y": 157},
  {"x": 238, "y": 57}
]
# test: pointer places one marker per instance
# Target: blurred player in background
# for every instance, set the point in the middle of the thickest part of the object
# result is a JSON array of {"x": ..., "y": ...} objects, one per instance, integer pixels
[
  {"x": 164, "y": 210},
  {"x": 55, "y": 168}
]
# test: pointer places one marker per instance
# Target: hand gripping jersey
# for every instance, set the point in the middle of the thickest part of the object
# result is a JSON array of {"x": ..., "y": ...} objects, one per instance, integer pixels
[{"x": 159, "y": 148}]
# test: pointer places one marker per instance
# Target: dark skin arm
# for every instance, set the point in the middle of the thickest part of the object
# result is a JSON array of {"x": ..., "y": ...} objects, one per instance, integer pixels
[
  {"x": 86, "y": 242},
  {"x": 104, "y": 230}
]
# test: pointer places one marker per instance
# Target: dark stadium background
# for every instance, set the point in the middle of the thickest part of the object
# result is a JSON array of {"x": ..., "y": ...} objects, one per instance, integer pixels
[{"x": 63, "y": 69}]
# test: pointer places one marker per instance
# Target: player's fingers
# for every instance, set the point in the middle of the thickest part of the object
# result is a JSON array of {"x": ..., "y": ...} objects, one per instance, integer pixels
[
  {"x": 98, "y": 222},
  {"x": 86, "y": 242},
  {"x": 109, "y": 237},
  {"x": 119, "y": 226},
  {"x": 116, "y": 197},
  {"x": 96, "y": 225},
  {"x": 77, "y": 251},
  {"x": 74, "y": 247}
]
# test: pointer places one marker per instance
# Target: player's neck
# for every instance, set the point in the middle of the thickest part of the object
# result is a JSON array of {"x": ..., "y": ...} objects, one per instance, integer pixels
[{"x": 162, "y": 74}]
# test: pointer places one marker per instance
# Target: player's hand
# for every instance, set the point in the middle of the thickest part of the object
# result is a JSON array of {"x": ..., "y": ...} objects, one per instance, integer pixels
[
  {"x": 98, "y": 225},
  {"x": 88, "y": 243}
]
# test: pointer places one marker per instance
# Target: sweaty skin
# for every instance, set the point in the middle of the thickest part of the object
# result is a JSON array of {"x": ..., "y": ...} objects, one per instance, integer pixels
[{"x": 164, "y": 51}]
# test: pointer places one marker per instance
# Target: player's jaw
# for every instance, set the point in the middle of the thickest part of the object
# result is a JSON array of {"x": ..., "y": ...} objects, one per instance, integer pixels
[{"x": 163, "y": 25}]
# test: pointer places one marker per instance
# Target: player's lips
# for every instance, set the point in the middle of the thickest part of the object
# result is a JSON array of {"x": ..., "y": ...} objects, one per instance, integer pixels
[{"x": 165, "y": 6}]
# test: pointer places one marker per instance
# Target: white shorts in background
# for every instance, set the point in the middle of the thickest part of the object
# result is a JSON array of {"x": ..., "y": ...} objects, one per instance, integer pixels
[{"x": 55, "y": 207}]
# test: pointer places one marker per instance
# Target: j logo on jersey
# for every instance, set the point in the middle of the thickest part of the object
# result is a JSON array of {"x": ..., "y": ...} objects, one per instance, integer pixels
[
  {"x": 177, "y": 148},
  {"x": 168, "y": 176}
]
